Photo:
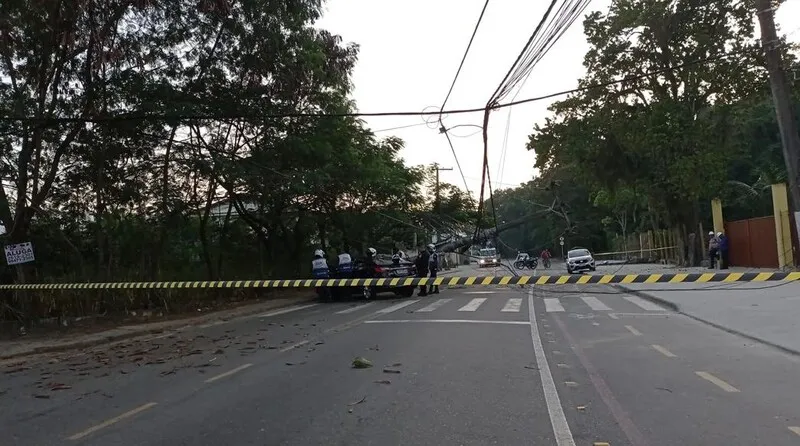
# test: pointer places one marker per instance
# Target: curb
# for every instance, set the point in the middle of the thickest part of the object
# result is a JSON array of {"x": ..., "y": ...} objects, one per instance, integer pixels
[
  {"x": 134, "y": 333},
  {"x": 674, "y": 307}
]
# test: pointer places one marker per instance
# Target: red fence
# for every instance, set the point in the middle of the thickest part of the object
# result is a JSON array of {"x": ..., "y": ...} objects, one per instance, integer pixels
[{"x": 752, "y": 242}]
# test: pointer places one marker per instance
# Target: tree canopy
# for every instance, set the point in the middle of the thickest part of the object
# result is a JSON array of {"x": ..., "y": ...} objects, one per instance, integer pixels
[{"x": 683, "y": 115}]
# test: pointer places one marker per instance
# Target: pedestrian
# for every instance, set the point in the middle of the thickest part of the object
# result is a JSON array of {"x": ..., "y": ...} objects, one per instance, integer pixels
[
  {"x": 713, "y": 249},
  {"x": 723, "y": 251},
  {"x": 422, "y": 261},
  {"x": 433, "y": 267}
]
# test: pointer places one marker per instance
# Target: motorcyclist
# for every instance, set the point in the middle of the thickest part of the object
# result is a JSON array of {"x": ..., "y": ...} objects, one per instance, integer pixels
[
  {"x": 433, "y": 267},
  {"x": 320, "y": 270},
  {"x": 345, "y": 267}
]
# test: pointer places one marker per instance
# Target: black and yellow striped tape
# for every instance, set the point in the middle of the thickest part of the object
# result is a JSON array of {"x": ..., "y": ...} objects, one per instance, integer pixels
[{"x": 469, "y": 281}]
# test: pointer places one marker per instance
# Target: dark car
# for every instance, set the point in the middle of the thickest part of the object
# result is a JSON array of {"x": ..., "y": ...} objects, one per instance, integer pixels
[{"x": 384, "y": 267}]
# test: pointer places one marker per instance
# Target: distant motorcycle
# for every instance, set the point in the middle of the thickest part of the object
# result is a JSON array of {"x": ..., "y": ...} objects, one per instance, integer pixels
[{"x": 528, "y": 262}]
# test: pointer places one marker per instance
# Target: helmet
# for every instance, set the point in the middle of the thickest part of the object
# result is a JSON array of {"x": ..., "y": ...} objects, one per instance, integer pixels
[
  {"x": 710, "y": 232},
  {"x": 319, "y": 253},
  {"x": 372, "y": 251},
  {"x": 431, "y": 246},
  {"x": 719, "y": 234}
]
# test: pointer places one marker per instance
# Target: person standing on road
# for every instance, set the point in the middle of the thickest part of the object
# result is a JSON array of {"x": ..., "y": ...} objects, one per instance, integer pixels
[
  {"x": 345, "y": 267},
  {"x": 723, "y": 250},
  {"x": 320, "y": 270},
  {"x": 713, "y": 249},
  {"x": 422, "y": 261},
  {"x": 433, "y": 266}
]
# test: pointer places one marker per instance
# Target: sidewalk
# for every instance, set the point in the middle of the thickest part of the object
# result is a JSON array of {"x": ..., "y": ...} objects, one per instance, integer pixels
[
  {"x": 59, "y": 341},
  {"x": 768, "y": 312}
]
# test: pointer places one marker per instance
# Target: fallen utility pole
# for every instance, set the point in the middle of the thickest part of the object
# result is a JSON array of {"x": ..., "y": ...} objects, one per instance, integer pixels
[{"x": 781, "y": 96}]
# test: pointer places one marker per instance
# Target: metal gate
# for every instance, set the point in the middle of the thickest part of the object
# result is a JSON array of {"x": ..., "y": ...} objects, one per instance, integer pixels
[{"x": 752, "y": 242}]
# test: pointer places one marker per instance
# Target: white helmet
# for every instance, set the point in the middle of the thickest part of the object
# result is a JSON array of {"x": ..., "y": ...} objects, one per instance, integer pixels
[
  {"x": 710, "y": 232},
  {"x": 431, "y": 246},
  {"x": 372, "y": 251},
  {"x": 319, "y": 253},
  {"x": 719, "y": 234}
]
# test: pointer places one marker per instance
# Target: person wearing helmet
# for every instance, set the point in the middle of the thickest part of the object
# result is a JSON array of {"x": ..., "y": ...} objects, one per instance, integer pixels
[
  {"x": 713, "y": 249},
  {"x": 345, "y": 266},
  {"x": 433, "y": 267},
  {"x": 320, "y": 270},
  {"x": 723, "y": 250}
]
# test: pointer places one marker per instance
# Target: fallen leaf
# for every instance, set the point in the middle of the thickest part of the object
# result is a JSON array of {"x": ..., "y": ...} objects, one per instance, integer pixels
[
  {"x": 41, "y": 396},
  {"x": 319, "y": 342},
  {"x": 59, "y": 386},
  {"x": 361, "y": 363},
  {"x": 383, "y": 381}
]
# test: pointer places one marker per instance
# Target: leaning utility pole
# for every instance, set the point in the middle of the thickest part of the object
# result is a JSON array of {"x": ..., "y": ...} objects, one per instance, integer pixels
[{"x": 781, "y": 96}]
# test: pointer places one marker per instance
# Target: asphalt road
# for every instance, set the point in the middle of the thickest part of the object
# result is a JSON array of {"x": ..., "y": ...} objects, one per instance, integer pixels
[{"x": 562, "y": 365}]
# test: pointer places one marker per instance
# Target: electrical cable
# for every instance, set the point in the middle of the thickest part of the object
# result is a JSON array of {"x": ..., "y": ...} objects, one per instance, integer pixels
[
  {"x": 238, "y": 116},
  {"x": 450, "y": 91}
]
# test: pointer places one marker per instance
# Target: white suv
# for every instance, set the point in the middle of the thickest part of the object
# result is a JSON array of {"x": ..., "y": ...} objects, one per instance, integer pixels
[{"x": 579, "y": 259}]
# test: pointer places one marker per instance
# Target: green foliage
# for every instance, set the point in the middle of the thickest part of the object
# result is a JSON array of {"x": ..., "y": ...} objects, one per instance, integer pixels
[{"x": 180, "y": 198}]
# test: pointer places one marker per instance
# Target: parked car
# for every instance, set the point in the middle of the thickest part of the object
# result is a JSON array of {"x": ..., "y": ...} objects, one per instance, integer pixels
[
  {"x": 385, "y": 267},
  {"x": 579, "y": 259}
]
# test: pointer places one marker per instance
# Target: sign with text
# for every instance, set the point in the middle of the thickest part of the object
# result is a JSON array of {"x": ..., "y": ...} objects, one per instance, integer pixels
[{"x": 19, "y": 253}]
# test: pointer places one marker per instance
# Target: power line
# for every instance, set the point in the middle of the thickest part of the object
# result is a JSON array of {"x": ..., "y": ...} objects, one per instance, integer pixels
[
  {"x": 463, "y": 58},
  {"x": 450, "y": 91},
  {"x": 238, "y": 116}
]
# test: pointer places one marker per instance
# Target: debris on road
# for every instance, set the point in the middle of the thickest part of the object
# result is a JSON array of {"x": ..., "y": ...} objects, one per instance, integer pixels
[
  {"x": 391, "y": 371},
  {"x": 59, "y": 386},
  {"x": 361, "y": 363},
  {"x": 382, "y": 381},
  {"x": 359, "y": 401}
]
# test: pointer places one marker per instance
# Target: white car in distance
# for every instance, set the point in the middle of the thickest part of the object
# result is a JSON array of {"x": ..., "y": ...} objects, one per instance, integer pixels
[{"x": 580, "y": 259}]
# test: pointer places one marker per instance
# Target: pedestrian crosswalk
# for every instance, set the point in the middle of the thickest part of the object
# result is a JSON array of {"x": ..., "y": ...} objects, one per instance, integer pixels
[{"x": 568, "y": 303}]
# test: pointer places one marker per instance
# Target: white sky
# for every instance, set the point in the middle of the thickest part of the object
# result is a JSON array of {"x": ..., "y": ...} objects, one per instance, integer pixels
[{"x": 410, "y": 51}]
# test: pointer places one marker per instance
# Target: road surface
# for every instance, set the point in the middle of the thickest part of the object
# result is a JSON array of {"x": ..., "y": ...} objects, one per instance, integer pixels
[{"x": 557, "y": 365}]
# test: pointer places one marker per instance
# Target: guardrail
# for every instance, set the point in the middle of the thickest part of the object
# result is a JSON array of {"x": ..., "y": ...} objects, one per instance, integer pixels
[{"x": 468, "y": 281}]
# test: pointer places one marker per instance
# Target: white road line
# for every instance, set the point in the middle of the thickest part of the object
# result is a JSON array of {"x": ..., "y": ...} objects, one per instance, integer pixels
[
  {"x": 557, "y": 418},
  {"x": 480, "y": 292},
  {"x": 294, "y": 346},
  {"x": 513, "y": 305},
  {"x": 552, "y": 305},
  {"x": 356, "y": 308},
  {"x": 643, "y": 304},
  {"x": 111, "y": 421},
  {"x": 228, "y": 373},
  {"x": 443, "y": 321},
  {"x": 286, "y": 310},
  {"x": 396, "y": 307},
  {"x": 473, "y": 304},
  {"x": 717, "y": 382},
  {"x": 633, "y": 331},
  {"x": 612, "y": 316},
  {"x": 433, "y": 306},
  {"x": 595, "y": 303},
  {"x": 795, "y": 429},
  {"x": 663, "y": 351}
]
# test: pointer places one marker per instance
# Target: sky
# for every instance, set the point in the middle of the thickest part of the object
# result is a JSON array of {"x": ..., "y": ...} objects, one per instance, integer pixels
[{"x": 409, "y": 53}]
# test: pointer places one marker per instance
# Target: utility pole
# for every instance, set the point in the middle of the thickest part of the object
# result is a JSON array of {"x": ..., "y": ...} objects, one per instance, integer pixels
[{"x": 781, "y": 96}]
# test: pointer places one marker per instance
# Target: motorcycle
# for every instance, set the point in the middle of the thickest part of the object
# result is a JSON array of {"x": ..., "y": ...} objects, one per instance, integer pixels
[{"x": 529, "y": 262}]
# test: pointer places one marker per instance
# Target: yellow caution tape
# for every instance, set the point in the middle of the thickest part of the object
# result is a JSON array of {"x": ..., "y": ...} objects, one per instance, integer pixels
[{"x": 394, "y": 282}]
